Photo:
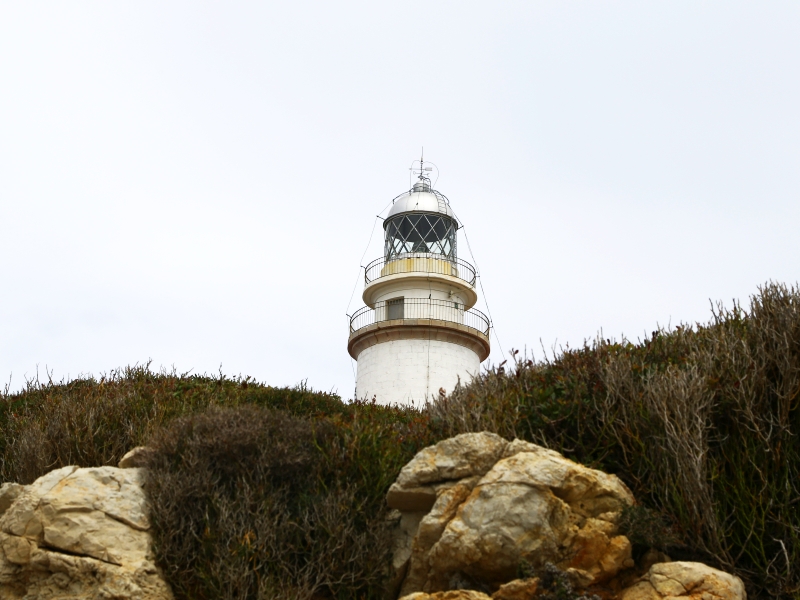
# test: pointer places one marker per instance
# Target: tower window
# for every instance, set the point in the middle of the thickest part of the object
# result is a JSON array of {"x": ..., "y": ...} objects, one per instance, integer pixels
[{"x": 395, "y": 308}]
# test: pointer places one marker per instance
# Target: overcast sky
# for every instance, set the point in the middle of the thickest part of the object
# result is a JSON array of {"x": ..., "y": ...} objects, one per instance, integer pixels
[{"x": 195, "y": 183}]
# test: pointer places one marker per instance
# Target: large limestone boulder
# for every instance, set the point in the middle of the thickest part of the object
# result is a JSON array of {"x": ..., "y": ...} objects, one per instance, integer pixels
[
  {"x": 519, "y": 589},
  {"x": 687, "y": 581},
  {"x": 451, "y": 595},
  {"x": 485, "y": 505},
  {"x": 79, "y": 534},
  {"x": 664, "y": 581},
  {"x": 8, "y": 493}
]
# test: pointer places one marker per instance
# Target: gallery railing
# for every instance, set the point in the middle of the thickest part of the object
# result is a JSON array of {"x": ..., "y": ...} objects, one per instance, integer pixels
[
  {"x": 420, "y": 308},
  {"x": 420, "y": 262}
]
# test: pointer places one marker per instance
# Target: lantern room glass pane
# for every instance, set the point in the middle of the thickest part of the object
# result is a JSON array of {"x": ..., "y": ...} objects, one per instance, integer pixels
[{"x": 420, "y": 232}]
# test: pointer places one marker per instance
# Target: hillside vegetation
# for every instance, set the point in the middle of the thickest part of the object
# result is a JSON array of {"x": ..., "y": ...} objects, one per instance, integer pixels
[{"x": 261, "y": 492}]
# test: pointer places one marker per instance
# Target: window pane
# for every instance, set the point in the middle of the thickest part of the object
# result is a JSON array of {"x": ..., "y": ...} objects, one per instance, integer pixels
[
  {"x": 425, "y": 229},
  {"x": 440, "y": 227},
  {"x": 423, "y": 233}
]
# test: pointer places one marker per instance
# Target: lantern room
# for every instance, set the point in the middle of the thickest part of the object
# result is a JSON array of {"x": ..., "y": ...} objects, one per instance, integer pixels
[{"x": 420, "y": 222}]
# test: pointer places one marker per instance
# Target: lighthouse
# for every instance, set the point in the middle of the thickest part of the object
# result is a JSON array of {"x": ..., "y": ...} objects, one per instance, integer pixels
[{"x": 418, "y": 334}]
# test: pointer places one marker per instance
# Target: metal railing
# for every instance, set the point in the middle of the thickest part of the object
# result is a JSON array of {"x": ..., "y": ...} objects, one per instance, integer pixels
[
  {"x": 420, "y": 262},
  {"x": 420, "y": 308}
]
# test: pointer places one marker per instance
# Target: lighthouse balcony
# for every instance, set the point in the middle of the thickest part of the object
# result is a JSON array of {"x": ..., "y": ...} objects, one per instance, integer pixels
[
  {"x": 420, "y": 308},
  {"x": 419, "y": 318},
  {"x": 418, "y": 311},
  {"x": 420, "y": 262}
]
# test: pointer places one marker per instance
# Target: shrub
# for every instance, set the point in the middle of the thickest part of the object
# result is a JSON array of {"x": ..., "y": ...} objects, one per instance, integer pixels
[
  {"x": 701, "y": 422},
  {"x": 241, "y": 509},
  {"x": 333, "y": 495},
  {"x": 646, "y": 529},
  {"x": 93, "y": 422},
  {"x": 256, "y": 503}
]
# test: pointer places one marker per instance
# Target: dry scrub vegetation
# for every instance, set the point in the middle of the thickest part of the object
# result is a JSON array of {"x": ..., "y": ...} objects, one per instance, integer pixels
[
  {"x": 256, "y": 492},
  {"x": 244, "y": 497},
  {"x": 260, "y": 492},
  {"x": 701, "y": 422}
]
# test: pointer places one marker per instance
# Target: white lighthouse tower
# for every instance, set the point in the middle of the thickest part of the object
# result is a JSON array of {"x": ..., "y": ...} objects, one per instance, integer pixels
[{"x": 418, "y": 333}]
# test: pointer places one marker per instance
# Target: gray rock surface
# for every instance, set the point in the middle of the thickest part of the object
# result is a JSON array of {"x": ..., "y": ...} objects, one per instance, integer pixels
[{"x": 79, "y": 533}]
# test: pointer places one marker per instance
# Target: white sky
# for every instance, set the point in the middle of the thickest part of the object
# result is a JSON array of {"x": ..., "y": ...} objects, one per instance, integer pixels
[{"x": 195, "y": 183}]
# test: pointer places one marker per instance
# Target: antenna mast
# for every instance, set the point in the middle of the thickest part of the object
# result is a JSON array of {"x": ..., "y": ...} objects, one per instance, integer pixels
[{"x": 421, "y": 176}]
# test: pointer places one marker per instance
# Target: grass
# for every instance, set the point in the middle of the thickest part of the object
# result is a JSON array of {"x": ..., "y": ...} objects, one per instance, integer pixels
[{"x": 287, "y": 486}]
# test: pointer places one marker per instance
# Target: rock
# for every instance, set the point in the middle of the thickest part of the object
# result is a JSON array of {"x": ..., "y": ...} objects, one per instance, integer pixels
[
  {"x": 134, "y": 458},
  {"x": 519, "y": 589},
  {"x": 429, "y": 532},
  {"x": 498, "y": 504},
  {"x": 406, "y": 526},
  {"x": 79, "y": 533},
  {"x": 451, "y": 595},
  {"x": 687, "y": 581},
  {"x": 137, "y": 457},
  {"x": 464, "y": 455},
  {"x": 411, "y": 499},
  {"x": 8, "y": 493}
]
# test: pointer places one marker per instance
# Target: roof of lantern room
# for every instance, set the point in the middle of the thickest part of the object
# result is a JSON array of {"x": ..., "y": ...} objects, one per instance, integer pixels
[{"x": 421, "y": 199}]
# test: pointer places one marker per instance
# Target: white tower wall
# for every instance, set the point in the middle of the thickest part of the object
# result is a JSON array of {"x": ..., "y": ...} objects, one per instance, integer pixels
[
  {"x": 413, "y": 369},
  {"x": 434, "y": 290}
]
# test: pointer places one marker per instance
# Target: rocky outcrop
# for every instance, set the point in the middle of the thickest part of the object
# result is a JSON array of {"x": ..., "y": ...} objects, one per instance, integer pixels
[
  {"x": 471, "y": 510},
  {"x": 451, "y": 595},
  {"x": 519, "y": 589},
  {"x": 485, "y": 506},
  {"x": 664, "y": 581},
  {"x": 137, "y": 457},
  {"x": 79, "y": 534},
  {"x": 8, "y": 493},
  {"x": 687, "y": 581}
]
